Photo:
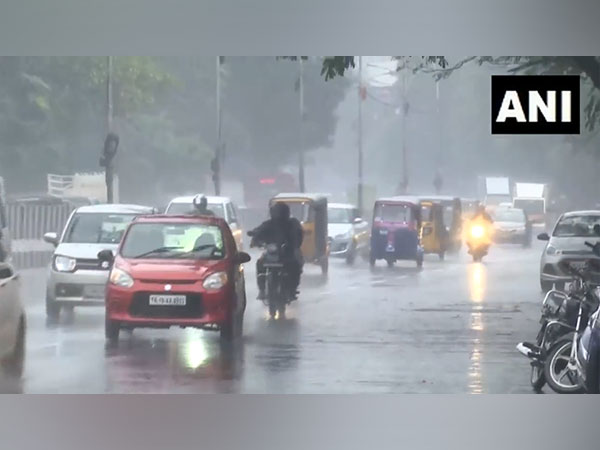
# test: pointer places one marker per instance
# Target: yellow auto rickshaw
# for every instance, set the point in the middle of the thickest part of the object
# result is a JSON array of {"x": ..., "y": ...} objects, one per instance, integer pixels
[
  {"x": 452, "y": 220},
  {"x": 311, "y": 211},
  {"x": 434, "y": 236}
]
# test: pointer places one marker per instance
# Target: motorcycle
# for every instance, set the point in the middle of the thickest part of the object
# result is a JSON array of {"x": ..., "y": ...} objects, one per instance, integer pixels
[
  {"x": 554, "y": 325},
  {"x": 478, "y": 238},
  {"x": 554, "y": 356},
  {"x": 278, "y": 291}
]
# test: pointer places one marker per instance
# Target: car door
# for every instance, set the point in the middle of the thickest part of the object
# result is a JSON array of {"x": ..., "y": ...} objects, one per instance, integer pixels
[{"x": 9, "y": 308}]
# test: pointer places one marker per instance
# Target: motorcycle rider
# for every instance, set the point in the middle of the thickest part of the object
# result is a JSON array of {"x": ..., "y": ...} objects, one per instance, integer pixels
[
  {"x": 201, "y": 206},
  {"x": 280, "y": 229},
  {"x": 482, "y": 214}
]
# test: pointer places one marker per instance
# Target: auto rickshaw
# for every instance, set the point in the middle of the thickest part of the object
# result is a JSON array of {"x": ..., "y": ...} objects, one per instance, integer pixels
[
  {"x": 434, "y": 236},
  {"x": 450, "y": 235},
  {"x": 311, "y": 211},
  {"x": 396, "y": 231}
]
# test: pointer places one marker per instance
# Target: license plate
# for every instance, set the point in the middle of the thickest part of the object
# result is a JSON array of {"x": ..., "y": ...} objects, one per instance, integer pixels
[
  {"x": 167, "y": 300},
  {"x": 94, "y": 291}
]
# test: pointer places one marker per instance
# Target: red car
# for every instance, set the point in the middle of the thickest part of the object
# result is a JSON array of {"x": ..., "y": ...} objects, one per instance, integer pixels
[{"x": 176, "y": 271}]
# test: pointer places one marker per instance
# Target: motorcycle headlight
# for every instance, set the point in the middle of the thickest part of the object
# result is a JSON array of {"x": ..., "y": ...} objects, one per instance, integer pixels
[
  {"x": 120, "y": 278},
  {"x": 215, "y": 281},
  {"x": 477, "y": 231},
  {"x": 552, "y": 251},
  {"x": 64, "y": 263}
]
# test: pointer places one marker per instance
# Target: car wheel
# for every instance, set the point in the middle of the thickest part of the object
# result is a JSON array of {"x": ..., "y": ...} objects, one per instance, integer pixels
[
  {"x": 52, "y": 309},
  {"x": 112, "y": 329},
  {"x": 14, "y": 363},
  {"x": 231, "y": 329},
  {"x": 546, "y": 286}
]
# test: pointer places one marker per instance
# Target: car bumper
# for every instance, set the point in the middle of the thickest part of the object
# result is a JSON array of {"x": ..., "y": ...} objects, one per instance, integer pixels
[
  {"x": 509, "y": 236},
  {"x": 340, "y": 248},
  {"x": 214, "y": 310},
  {"x": 79, "y": 288},
  {"x": 550, "y": 267}
]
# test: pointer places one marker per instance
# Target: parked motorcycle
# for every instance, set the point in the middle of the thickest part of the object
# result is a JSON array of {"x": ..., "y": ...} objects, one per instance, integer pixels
[{"x": 553, "y": 358}]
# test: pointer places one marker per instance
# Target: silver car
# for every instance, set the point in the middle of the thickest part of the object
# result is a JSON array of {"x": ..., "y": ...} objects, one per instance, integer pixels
[
  {"x": 348, "y": 233},
  {"x": 567, "y": 242},
  {"x": 75, "y": 276}
]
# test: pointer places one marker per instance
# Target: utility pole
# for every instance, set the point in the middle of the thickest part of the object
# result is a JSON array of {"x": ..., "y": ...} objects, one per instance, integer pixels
[
  {"x": 360, "y": 152},
  {"x": 404, "y": 150},
  {"x": 301, "y": 152},
  {"x": 111, "y": 143},
  {"x": 216, "y": 163},
  {"x": 438, "y": 180}
]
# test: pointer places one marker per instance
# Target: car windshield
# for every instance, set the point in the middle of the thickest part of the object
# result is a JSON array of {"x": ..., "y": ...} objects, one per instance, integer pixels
[
  {"x": 509, "y": 215},
  {"x": 175, "y": 209},
  {"x": 386, "y": 212},
  {"x": 578, "y": 226},
  {"x": 339, "y": 215},
  {"x": 97, "y": 228},
  {"x": 530, "y": 206},
  {"x": 173, "y": 241}
]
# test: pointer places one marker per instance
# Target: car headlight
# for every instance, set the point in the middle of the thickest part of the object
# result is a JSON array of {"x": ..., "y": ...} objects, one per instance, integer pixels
[
  {"x": 64, "y": 263},
  {"x": 120, "y": 278},
  {"x": 215, "y": 281},
  {"x": 552, "y": 251}
]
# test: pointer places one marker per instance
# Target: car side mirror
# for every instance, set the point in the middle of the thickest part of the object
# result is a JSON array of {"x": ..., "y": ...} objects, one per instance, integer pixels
[
  {"x": 51, "y": 238},
  {"x": 106, "y": 256},
  {"x": 543, "y": 237},
  {"x": 242, "y": 258},
  {"x": 358, "y": 220}
]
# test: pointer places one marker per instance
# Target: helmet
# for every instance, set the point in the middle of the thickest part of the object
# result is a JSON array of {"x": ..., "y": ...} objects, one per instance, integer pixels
[
  {"x": 200, "y": 201},
  {"x": 280, "y": 211}
]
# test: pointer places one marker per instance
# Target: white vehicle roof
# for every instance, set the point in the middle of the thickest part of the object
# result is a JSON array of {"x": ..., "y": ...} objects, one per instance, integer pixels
[
  {"x": 341, "y": 206},
  {"x": 592, "y": 212},
  {"x": 530, "y": 190},
  {"x": 209, "y": 198},
  {"x": 116, "y": 209},
  {"x": 497, "y": 186}
]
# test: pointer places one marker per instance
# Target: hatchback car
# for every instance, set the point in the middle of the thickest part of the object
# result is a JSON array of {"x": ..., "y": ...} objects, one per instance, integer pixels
[
  {"x": 510, "y": 226},
  {"x": 12, "y": 323},
  {"x": 567, "y": 242},
  {"x": 176, "y": 271},
  {"x": 348, "y": 233},
  {"x": 221, "y": 206},
  {"x": 75, "y": 276}
]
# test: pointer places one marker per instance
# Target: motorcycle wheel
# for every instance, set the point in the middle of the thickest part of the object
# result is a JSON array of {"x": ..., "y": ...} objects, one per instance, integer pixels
[
  {"x": 272, "y": 309},
  {"x": 560, "y": 379},
  {"x": 390, "y": 262},
  {"x": 537, "y": 377}
]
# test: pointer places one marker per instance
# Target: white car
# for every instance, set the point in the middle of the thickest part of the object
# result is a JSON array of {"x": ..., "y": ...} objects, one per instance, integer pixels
[
  {"x": 76, "y": 277},
  {"x": 567, "y": 242},
  {"x": 348, "y": 233},
  {"x": 221, "y": 206},
  {"x": 5, "y": 241},
  {"x": 12, "y": 323}
]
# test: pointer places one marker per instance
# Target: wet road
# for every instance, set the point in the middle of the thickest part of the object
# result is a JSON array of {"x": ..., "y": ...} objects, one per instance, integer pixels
[{"x": 450, "y": 328}]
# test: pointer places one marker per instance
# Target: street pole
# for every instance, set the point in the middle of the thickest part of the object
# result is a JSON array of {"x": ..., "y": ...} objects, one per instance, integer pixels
[
  {"x": 404, "y": 150},
  {"x": 218, "y": 156},
  {"x": 109, "y": 169},
  {"x": 301, "y": 152},
  {"x": 438, "y": 174},
  {"x": 360, "y": 152}
]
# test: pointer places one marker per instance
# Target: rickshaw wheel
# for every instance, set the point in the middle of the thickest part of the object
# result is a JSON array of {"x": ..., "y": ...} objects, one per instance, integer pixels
[
  {"x": 442, "y": 255},
  {"x": 390, "y": 262}
]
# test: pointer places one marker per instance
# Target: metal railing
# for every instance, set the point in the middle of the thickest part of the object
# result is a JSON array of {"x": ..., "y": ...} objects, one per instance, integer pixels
[{"x": 31, "y": 221}]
